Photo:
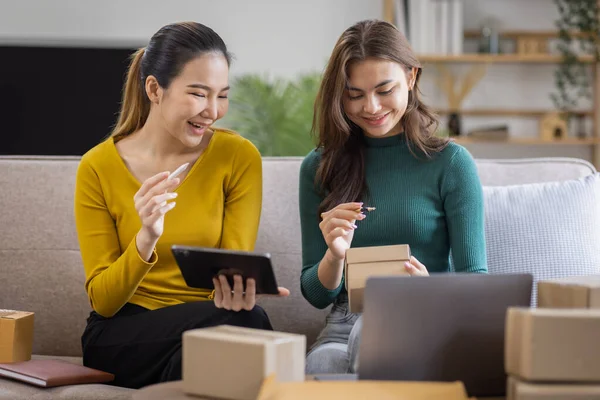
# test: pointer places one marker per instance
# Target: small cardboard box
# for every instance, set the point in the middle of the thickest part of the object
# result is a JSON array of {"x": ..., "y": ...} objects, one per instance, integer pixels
[
  {"x": 16, "y": 336},
  {"x": 520, "y": 390},
  {"x": 362, "y": 263},
  {"x": 553, "y": 345},
  {"x": 230, "y": 362},
  {"x": 361, "y": 389},
  {"x": 570, "y": 292},
  {"x": 290, "y": 351}
]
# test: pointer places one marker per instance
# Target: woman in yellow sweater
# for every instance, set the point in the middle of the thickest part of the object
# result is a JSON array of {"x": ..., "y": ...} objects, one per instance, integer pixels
[{"x": 126, "y": 218}]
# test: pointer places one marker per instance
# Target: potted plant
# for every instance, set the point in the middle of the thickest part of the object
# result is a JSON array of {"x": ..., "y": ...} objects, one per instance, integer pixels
[
  {"x": 275, "y": 114},
  {"x": 578, "y": 27}
]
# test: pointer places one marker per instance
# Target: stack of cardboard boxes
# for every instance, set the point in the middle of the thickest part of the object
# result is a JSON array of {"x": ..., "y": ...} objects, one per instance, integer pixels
[
  {"x": 235, "y": 363},
  {"x": 553, "y": 351}
]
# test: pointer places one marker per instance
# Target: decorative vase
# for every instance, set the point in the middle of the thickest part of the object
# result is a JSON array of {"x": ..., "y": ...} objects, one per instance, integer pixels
[{"x": 454, "y": 128}]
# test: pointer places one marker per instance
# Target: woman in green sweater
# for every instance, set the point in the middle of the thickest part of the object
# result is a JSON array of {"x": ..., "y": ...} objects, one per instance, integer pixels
[{"x": 377, "y": 148}]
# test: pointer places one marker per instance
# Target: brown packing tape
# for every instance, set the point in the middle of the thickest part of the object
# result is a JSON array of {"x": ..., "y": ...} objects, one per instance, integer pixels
[{"x": 362, "y": 389}]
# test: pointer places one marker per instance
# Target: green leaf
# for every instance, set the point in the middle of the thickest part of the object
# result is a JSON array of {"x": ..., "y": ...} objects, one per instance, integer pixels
[
  {"x": 572, "y": 77},
  {"x": 274, "y": 113}
]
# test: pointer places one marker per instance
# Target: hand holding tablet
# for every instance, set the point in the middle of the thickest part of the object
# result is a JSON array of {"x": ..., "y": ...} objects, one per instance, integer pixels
[
  {"x": 242, "y": 296},
  {"x": 236, "y": 276}
]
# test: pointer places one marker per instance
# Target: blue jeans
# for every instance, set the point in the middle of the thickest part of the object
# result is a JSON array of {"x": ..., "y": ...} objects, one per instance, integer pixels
[{"x": 336, "y": 349}]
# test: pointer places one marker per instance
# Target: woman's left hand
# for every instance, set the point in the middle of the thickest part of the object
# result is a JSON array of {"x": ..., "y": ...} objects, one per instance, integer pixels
[
  {"x": 415, "y": 268},
  {"x": 238, "y": 299}
]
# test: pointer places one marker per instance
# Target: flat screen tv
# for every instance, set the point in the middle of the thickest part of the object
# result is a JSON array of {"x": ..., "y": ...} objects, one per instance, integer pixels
[{"x": 58, "y": 100}]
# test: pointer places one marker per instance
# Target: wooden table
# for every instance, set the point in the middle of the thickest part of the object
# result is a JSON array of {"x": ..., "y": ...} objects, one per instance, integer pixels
[
  {"x": 173, "y": 391},
  {"x": 165, "y": 391}
]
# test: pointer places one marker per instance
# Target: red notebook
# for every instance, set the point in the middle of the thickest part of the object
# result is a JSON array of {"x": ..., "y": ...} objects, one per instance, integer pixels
[{"x": 51, "y": 373}]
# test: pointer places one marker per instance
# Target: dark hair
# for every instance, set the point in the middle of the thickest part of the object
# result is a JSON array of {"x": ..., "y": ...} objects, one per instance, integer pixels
[
  {"x": 341, "y": 171},
  {"x": 169, "y": 50}
]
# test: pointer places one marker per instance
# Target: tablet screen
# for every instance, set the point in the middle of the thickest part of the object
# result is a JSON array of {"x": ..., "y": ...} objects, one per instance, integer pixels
[{"x": 199, "y": 265}]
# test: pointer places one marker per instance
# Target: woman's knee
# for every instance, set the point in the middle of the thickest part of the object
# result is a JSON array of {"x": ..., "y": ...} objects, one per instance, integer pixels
[
  {"x": 205, "y": 314},
  {"x": 328, "y": 358},
  {"x": 354, "y": 344},
  {"x": 256, "y": 318}
]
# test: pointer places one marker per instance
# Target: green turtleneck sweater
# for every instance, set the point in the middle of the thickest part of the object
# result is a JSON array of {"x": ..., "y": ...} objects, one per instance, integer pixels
[{"x": 434, "y": 205}]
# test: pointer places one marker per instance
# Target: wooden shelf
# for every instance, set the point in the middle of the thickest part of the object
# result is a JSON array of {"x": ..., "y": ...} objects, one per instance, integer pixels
[
  {"x": 497, "y": 112},
  {"x": 498, "y": 58},
  {"x": 474, "y": 34},
  {"x": 529, "y": 141}
]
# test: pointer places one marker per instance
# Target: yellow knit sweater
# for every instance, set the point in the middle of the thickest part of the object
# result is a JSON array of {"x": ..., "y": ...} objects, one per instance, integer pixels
[{"x": 218, "y": 206}]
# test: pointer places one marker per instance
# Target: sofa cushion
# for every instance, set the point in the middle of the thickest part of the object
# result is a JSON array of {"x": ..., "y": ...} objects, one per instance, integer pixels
[
  {"x": 279, "y": 235},
  {"x": 48, "y": 282},
  {"x": 14, "y": 390},
  {"x": 550, "y": 230},
  {"x": 519, "y": 171}
]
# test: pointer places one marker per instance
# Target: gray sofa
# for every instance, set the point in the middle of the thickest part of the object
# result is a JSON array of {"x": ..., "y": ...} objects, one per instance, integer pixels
[{"x": 41, "y": 271}]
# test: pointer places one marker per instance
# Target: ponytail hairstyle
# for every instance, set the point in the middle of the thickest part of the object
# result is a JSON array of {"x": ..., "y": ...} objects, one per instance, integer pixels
[
  {"x": 341, "y": 171},
  {"x": 169, "y": 50}
]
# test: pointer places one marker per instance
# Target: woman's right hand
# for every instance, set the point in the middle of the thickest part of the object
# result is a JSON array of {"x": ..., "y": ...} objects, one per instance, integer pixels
[
  {"x": 151, "y": 203},
  {"x": 337, "y": 227}
]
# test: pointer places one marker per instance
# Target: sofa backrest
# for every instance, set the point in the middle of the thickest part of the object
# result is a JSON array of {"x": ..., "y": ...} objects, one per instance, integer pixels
[{"x": 40, "y": 265}]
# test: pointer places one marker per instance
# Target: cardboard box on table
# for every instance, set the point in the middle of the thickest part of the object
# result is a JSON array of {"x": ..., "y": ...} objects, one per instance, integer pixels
[
  {"x": 362, "y": 263},
  {"x": 553, "y": 345},
  {"x": 521, "y": 390},
  {"x": 361, "y": 389},
  {"x": 230, "y": 362},
  {"x": 16, "y": 335},
  {"x": 570, "y": 292}
]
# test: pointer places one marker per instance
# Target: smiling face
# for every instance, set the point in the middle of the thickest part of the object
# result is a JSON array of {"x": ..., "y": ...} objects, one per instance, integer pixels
[
  {"x": 194, "y": 100},
  {"x": 376, "y": 96}
]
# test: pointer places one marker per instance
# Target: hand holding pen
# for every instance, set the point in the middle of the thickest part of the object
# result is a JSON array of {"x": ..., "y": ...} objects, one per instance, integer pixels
[
  {"x": 152, "y": 202},
  {"x": 338, "y": 225}
]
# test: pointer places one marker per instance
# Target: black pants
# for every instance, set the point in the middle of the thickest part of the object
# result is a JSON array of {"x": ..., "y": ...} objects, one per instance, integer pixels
[{"x": 142, "y": 347}]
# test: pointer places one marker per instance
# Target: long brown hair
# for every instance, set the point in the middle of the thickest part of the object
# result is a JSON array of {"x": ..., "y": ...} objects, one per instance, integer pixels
[
  {"x": 341, "y": 172},
  {"x": 168, "y": 51}
]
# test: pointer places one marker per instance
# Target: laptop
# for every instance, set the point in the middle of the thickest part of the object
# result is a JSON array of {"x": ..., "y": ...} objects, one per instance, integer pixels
[{"x": 444, "y": 327}]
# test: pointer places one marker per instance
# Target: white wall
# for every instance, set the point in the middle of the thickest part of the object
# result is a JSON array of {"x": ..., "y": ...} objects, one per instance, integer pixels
[
  {"x": 279, "y": 37},
  {"x": 287, "y": 37}
]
